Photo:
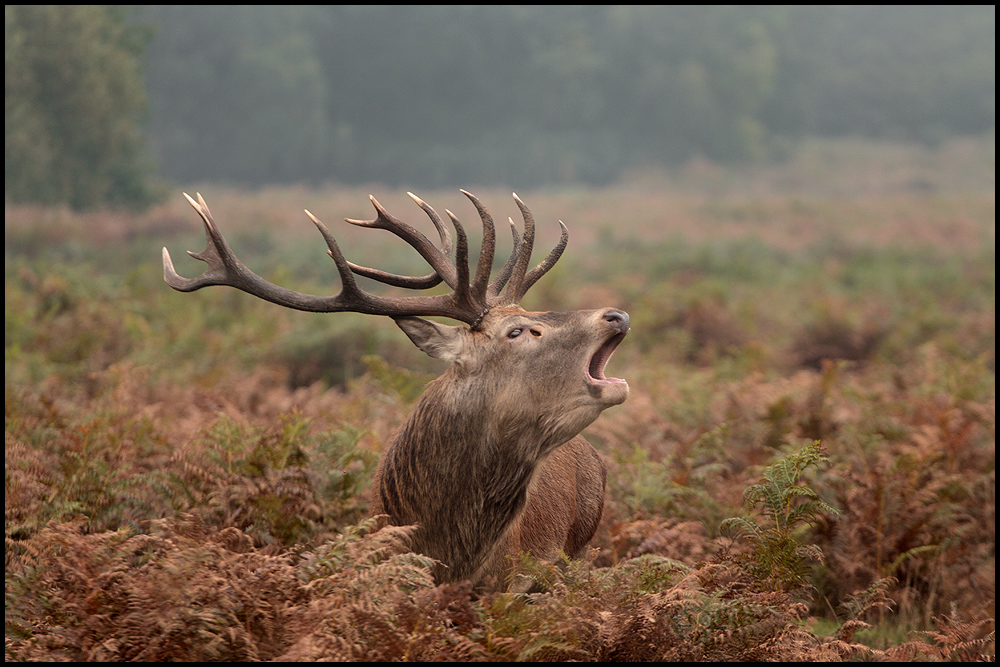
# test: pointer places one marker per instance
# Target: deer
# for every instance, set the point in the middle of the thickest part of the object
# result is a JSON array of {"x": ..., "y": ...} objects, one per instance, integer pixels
[{"x": 490, "y": 463}]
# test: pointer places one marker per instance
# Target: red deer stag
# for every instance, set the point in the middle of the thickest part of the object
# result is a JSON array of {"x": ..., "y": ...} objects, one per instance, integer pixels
[{"x": 490, "y": 463}]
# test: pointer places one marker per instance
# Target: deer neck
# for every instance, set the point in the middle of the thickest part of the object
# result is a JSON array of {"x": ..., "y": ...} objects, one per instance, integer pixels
[{"x": 461, "y": 471}]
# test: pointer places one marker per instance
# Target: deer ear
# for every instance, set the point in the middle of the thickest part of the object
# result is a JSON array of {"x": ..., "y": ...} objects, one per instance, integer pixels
[{"x": 440, "y": 341}]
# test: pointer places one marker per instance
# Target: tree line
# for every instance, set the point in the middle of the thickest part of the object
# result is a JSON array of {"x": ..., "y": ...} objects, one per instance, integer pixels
[{"x": 442, "y": 95}]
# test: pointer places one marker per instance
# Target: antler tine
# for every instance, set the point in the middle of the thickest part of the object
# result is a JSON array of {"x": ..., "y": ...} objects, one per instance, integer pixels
[
  {"x": 547, "y": 263},
  {"x": 513, "y": 292},
  {"x": 463, "y": 293},
  {"x": 170, "y": 275},
  {"x": 467, "y": 302},
  {"x": 480, "y": 285},
  {"x": 521, "y": 279},
  {"x": 224, "y": 268},
  {"x": 438, "y": 259},
  {"x": 442, "y": 229},
  {"x": 455, "y": 305},
  {"x": 348, "y": 284},
  {"x": 504, "y": 275}
]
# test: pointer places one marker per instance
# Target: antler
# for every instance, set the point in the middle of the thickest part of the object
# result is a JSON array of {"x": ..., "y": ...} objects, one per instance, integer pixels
[{"x": 467, "y": 302}]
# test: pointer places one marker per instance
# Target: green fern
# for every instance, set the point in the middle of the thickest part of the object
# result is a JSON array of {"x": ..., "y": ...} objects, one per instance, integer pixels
[
  {"x": 678, "y": 485},
  {"x": 777, "y": 559},
  {"x": 858, "y": 605}
]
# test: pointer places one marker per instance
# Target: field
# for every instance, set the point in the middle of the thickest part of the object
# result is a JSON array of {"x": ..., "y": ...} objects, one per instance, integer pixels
[{"x": 804, "y": 470}]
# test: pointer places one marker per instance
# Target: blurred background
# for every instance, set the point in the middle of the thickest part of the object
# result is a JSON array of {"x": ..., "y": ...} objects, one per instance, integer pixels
[{"x": 103, "y": 104}]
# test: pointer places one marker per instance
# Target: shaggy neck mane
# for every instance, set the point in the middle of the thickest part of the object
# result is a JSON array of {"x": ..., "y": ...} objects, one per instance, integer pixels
[{"x": 469, "y": 478}]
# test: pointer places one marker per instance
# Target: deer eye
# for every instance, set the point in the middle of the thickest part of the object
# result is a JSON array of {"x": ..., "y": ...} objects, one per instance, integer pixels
[{"x": 514, "y": 333}]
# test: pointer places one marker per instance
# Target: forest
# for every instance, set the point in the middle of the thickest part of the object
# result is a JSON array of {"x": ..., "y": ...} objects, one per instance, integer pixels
[
  {"x": 526, "y": 96},
  {"x": 795, "y": 205},
  {"x": 463, "y": 96}
]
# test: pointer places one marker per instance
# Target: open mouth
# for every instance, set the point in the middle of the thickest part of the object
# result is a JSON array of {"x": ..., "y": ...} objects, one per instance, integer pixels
[{"x": 595, "y": 370}]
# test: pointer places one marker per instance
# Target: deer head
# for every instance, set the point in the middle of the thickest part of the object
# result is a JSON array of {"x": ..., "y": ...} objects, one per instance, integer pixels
[{"x": 472, "y": 464}]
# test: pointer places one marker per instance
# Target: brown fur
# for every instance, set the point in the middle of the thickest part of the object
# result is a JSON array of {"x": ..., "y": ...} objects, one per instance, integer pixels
[
  {"x": 490, "y": 463},
  {"x": 477, "y": 466}
]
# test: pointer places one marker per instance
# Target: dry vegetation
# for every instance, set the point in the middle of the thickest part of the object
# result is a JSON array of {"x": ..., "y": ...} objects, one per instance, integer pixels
[{"x": 805, "y": 469}]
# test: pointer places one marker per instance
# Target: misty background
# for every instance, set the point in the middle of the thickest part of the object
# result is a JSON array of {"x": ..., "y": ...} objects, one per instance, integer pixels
[{"x": 105, "y": 104}]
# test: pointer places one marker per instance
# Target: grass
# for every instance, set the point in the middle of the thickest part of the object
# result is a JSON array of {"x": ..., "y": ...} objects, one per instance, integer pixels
[{"x": 187, "y": 475}]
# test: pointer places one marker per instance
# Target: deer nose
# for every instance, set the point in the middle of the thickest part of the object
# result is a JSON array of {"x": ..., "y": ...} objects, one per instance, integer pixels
[{"x": 617, "y": 318}]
